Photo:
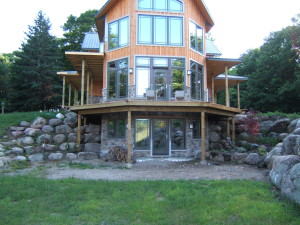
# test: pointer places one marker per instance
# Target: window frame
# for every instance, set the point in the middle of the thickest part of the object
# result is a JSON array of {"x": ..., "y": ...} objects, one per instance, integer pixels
[
  {"x": 196, "y": 26},
  {"x": 200, "y": 89},
  {"x": 116, "y": 128},
  {"x": 118, "y": 21},
  {"x": 152, "y": 30},
  {"x": 168, "y": 9}
]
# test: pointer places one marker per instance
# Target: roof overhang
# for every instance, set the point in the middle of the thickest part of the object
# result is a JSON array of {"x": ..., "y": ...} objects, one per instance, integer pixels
[
  {"x": 216, "y": 66},
  {"x": 219, "y": 81}
]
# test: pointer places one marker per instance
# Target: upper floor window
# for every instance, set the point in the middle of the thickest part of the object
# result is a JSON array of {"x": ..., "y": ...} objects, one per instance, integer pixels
[
  {"x": 117, "y": 75},
  {"x": 196, "y": 37},
  {"x": 160, "y": 30},
  {"x": 161, "y": 5},
  {"x": 118, "y": 33}
]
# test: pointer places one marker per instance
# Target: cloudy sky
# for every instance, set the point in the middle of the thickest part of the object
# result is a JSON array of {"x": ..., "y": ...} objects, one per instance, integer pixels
[{"x": 240, "y": 24}]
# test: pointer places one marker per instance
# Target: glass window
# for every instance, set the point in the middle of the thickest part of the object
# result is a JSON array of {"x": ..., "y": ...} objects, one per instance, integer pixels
[
  {"x": 197, "y": 81},
  {"x": 177, "y": 80},
  {"x": 196, "y": 37},
  {"x": 160, "y": 62},
  {"x": 116, "y": 128},
  {"x": 161, "y": 5},
  {"x": 142, "y": 81},
  {"x": 160, "y": 30},
  {"x": 118, "y": 34},
  {"x": 143, "y": 61},
  {"x": 117, "y": 79},
  {"x": 178, "y": 134},
  {"x": 196, "y": 129},
  {"x": 142, "y": 134}
]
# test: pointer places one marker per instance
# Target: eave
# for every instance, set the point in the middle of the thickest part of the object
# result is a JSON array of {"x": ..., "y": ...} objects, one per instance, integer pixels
[{"x": 216, "y": 66}]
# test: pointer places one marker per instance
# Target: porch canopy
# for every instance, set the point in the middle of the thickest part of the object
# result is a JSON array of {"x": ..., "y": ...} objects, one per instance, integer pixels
[
  {"x": 217, "y": 66},
  {"x": 219, "y": 81}
]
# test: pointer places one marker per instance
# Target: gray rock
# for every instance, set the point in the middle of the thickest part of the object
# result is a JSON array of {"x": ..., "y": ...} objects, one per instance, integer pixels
[
  {"x": 47, "y": 129},
  {"x": 7, "y": 143},
  {"x": 296, "y": 131},
  {"x": 28, "y": 149},
  {"x": 280, "y": 168},
  {"x": 28, "y": 141},
  {"x": 93, "y": 129},
  {"x": 217, "y": 156},
  {"x": 214, "y": 137},
  {"x": 266, "y": 125},
  {"x": 293, "y": 125},
  {"x": 63, "y": 129},
  {"x": 215, "y": 146},
  {"x": 276, "y": 151},
  {"x": 17, "y": 151},
  {"x": 240, "y": 118},
  {"x": 8, "y": 152},
  {"x": 6, "y": 160},
  {"x": 71, "y": 156},
  {"x": 72, "y": 137},
  {"x": 92, "y": 147},
  {"x": 1, "y": 148},
  {"x": 239, "y": 157},
  {"x": 92, "y": 138},
  {"x": 243, "y": 136},
  {"x": 36, "y": 158},
  {"x": 21, "y": 158},
  {"x": 32, "y": 132},
  {"x": 39, "y": 122},
  {"x": 1, "y": 163},
  {"x": 25, "y": 124},
  {"x": 44, "y": 139},
  {"x": 2, "y": 154},
  {"x": 82, "y": 129},
  {"x": 16, "y": 134},
  {"x": 55, "y": 156},
  {"x": 252, "y": 159},
  {"x": 282, "y": 136},
  {"x": 67, "y": 146},
  {"x": 104, "y": 153},
  {"x": 59, "y": 116},
  {"x": 71, "y": 119},
  {"x": 49, "y": 148},
  {"x": 13, "y": 128},
  {"x": 274, "y": 135},
  {"x": 88, "y": 155},
  {"x": 291, "y": 145},
  {"x": 59, "y": 139},
  {"x": 261, "y": 161},
  {"x": 280, "y": 126},
  {"x": 290, "y": 186},
  {"x": 55, "y": 122}
]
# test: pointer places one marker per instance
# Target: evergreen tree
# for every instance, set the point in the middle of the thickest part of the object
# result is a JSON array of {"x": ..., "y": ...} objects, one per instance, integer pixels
[{"x": 34, "y": 83}]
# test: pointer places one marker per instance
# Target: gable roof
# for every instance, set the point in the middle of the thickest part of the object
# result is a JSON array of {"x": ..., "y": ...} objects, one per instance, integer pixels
[
  {"x": 211, "y": 49},
  {"x": 90, "y": 42}
]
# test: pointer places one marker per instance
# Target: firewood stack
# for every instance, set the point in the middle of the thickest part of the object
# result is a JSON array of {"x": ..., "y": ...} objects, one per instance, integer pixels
[{"x": 117, "y": 153}]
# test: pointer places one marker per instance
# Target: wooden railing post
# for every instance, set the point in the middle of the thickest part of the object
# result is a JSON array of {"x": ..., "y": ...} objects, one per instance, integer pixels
[
  {"x": 63, "y": 92},
  {"x": 203, "y": 136}
]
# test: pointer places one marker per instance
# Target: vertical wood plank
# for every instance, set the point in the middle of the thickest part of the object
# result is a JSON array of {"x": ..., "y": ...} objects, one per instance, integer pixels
[
  {"x": 129, "y": 135},
  {"x": 70, "y": 94},
  {"x": 82, "y": 82},
  {"x": 213, "y": 89},
  {"x": 203, "y": 136},
  {"x": 63, "y": 92}
]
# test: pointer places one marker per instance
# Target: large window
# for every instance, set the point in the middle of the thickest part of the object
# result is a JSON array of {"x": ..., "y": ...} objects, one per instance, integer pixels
[
  {"x": 197, "y": 81},
  {"x": 196, "y": 37},
  {"x": 142, "y": 134},
  {"x": 163, "y": 75},
  {"x": 178, "y": 134},
  {"x": 160, "y": 30},
  {"x": 116, "y": 128},
  {"x": 161, "y": 5},
  {"x": 118, "y": 33},
  {"x": 117, "y": 78}
]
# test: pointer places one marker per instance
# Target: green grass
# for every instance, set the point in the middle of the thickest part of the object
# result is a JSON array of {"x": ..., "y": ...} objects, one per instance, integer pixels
[
  {"x": 29, "y": 200},
  {"x": 292, "y": 116}
]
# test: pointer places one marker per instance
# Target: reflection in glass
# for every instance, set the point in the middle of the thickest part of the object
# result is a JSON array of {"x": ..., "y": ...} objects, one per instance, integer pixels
[
  {"x": 143, "y": 61},
  {"x": 160, "y": 62},
  {"x": 177, "y": 80},
  {"x": 117, "y": 78},
  {"x": 145, "y": 4},
  {"x": 160, "y": 5},
  {"x": 160, "y": 30},
  {"x": 143, "y": 80},
  {"x": 124, "y": 32},
  {"x": 160, "y": 79},
  {"x": 175, "y": 31},
  {"x": 113, "y": 35},
  {"x": 145, "y": 30},
  {"x": 142, "y": 134},
  {"x": 176, "y": 5},
  {"x": 160, "y": 143},
  {"x": 178, "y": 134}
]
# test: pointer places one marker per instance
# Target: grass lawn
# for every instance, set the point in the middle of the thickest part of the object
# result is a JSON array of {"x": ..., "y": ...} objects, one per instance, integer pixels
[{"x": 29, "y": 200}]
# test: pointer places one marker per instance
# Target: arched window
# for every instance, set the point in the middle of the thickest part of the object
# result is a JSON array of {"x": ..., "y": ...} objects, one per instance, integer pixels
[{"x": 161, "y": 5}]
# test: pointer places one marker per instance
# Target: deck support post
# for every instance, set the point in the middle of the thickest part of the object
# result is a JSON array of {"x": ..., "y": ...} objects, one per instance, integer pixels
[
  {"x": 79, "y": 131},
  {"x": 233, "y": 130},
  {"x": 213, "y": 89},
  {"x": 70, "y": 94},
  {"x": 238, "y": 96},
  {"x": 129, "y": 135},
  {"x": 63, "y": 92},
  {"x": 82, "y": 81},
  {"x": 87, "y": 88},
  {"x": 75, "y": 97},
  {"x": 227, "y": 87},
  {"x": 228, "y": 126},
  {"x": 203, "y": 136},
  {"x": 92, "y": 91}
]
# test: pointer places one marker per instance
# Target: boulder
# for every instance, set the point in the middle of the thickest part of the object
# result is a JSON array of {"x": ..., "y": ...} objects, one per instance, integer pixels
[
  {"x": 71, "y": 156},
  {"x": 274, "y": 135},
  {"x": 215, "y": 146},
  {"x": 59, "y": 139},
  {"x": 72, "y": 137},
  {"x": 28, "y": 141},
  {"x": 44, "y": 139},
  {"x": 296, "y": 131},
  {"x": 290, "y": 186},
  {"x": 214, "y": 137},
  {"x": 39, "y": 122},
  {"x": 50, "y": 148},
  {"x": 16, "y": 134},
  {"x": 280, "y": 168},
  {"x": 280, "y": 126},
  {"x": 63, "y": 129},
  {"x": 261, "y": 162},
  {"x": 67, "y": 146},
  {"x": 282, "y": 136},
  {"x": 55, "y": 122},
  {"x": 266, "y": 125},
  {"x": 276, "y": 151},
  {"x": 92, "y": 147},
  {"x": 240, "y": 118},
  {"x": 32, "y": 132},
  {"x": 36, "y": 158},
  {"x": 92, "y": 138},
  {"x": 71, "y": 119},
  {"x": 2, "y": 154},
  {"x": 291, "y": 145},
  {"x": 214, "y": 128},
  {"x": 17, "y": 151},
  {"x": 252, "y": 159},
  {"x": 47, "y": 129},
  {"x": 217, "y": 156},
  {"x": 239, "y": 157},
  {"x": 28, "y": 149},
  {"x": 25, "y": 124},
  {"x": 21, "y": 158},
  {"x": 293, "y": 125},
  {"x": 88, "y": 155},
  {"x": 1, "y": 163},
  {"x": 59, "y": 116},
  {"x": 82, "y": 129},
  {"x": 55, "y": 156},
  {"x": 13, "y": 128}
]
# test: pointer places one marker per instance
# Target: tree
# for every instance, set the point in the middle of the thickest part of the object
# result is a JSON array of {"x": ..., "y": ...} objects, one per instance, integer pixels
[
  {"x": 295, "y": 33},
  {"x": 274, "y": 75},
  {"x": 4, "y": 76},
  {"x": 34, "y": 83}
]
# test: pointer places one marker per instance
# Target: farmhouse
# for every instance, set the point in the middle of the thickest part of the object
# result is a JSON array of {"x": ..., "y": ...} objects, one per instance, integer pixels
[{"x": 149, "y": 77}]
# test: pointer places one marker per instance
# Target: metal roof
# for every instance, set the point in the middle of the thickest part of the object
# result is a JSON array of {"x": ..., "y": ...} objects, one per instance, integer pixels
[
  {"x": 231, "y": 77},
  {"x": 211, "y": 49},
  {"x": 91, "y": 42}
]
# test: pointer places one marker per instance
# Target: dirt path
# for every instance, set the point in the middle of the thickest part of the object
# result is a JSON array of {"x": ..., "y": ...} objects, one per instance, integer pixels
[{"x": 159, "y": 170}]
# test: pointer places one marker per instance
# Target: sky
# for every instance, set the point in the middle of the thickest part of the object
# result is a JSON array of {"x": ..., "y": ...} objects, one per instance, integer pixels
[{"x": 239, "y": 24}]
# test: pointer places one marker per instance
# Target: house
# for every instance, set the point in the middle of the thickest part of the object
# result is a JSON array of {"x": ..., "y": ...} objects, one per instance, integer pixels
[{"x": 149, "y": 77}]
